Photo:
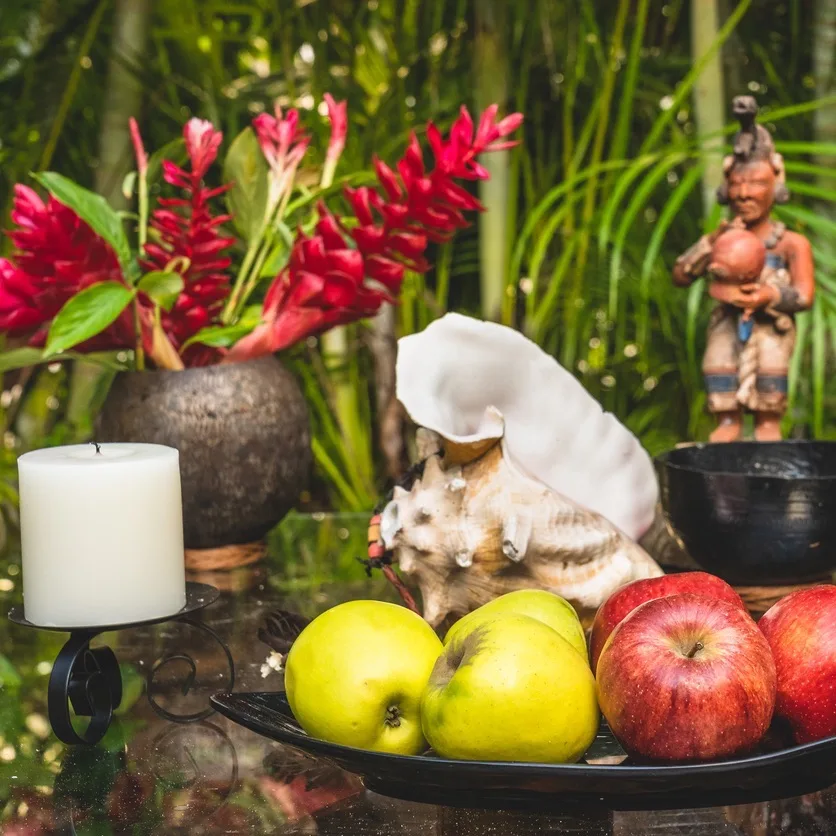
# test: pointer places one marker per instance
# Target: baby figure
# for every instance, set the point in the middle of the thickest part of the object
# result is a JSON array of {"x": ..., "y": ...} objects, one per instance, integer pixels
[{"x": 737, "y": 257}]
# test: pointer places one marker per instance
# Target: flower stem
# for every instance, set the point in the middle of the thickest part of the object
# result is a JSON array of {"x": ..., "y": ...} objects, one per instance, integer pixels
[
  {"x": 257, "y": 255},
  {"x": 328, "y": 171},
  {"x": 143, "y": 210},
  {"x": 255, "y": 273},
  {"x": 139, "y": 355},
  {"x": 335, "y": 351},
  {"x": 234, "y": 297}
]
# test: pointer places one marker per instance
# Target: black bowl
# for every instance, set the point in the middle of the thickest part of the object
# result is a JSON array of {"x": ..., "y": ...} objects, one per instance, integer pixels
[{"x": 754, "y": 512}]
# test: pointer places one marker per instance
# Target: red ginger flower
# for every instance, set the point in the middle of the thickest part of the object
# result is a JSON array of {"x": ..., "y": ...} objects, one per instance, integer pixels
[
  {"x": 338, "y": 117},
  {"x": 57, "y": 255},
  {"x": 325, "y": 282},
  {"x": 281, "y": 139},
  {"x": 139, "y": 148},
  {"x": 187, "y": 229},
  {"x": 322, "y": 286},
  {"x": 422, "y": 206}
]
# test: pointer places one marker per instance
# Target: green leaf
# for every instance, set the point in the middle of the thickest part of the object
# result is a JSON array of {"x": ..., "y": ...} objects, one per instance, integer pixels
[
  {"x": 133, "y": 684},
  {"x": 819, "y": 370},
  {"x": 791, "y": 111},
  {"x": 622, "y": 186},
  {"x": 226, "y": 335},
  {"x": 305, "y": 197},
  {"x": 552, "y": 196},
  {"x": 802, "y": 322},
  {"x": 86, "y": 314},
  {"x": 812, "y": 190},
  {"x": 626, "y": 109},
  {"x": 540, "y": 249},
  {"x": 9, "y": 677},
  {"x": 683, "y": 89},
  {"x": 175, "y": 151},
  {"x": 163, "y": 286},
  {"x": 820, "y": 171},
  {"x": 639, "y": 198},
  {"x": 247, "y": 170},
  {"x": 11, "y": 721},
  {"x": 671, "y": 209},
  {"x": 280, "y": 253},
  {"x": 128, "y": 185},
  {"x": 819, "y": 223},
  {"x": 20, "y": 358},
  {"x": 545, "y": 310},
  {"x": 820, "y": 149},
  {"x": 91, "y": 208}
]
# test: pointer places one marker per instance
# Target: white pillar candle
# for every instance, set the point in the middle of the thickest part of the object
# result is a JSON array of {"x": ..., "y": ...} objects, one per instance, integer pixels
[{"x": 101, "y": 534}]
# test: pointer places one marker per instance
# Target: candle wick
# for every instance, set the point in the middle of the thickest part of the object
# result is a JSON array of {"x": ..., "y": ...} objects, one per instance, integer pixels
[{"x": 98, "y": 448}]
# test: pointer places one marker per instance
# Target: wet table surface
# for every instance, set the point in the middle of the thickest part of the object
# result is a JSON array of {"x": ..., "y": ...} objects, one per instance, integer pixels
[{"x": 153, "y": 776}]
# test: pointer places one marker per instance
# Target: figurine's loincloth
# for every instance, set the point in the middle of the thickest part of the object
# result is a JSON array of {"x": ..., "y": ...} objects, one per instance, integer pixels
[{"x": 751, "y": 374}]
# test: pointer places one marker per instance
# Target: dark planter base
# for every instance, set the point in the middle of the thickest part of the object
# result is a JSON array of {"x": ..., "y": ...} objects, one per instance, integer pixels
[{"x": 244, "y": 439}]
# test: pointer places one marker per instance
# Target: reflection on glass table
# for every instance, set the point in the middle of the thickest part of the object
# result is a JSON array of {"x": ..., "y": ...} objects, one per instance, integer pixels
[{"x": 151, "y": 776}]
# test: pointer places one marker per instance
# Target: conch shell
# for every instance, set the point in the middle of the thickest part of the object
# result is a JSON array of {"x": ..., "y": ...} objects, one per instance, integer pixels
[
  {"x": 475, "y": 382},
  {"x": 470, "y": 533},
  {"x": 531, "y": 484}
]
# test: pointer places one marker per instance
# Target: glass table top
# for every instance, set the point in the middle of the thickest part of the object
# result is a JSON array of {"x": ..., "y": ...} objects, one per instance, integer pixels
[{"x": 152, "y": 776}]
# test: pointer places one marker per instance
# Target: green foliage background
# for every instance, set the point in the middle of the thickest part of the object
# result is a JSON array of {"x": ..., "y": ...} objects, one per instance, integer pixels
[{"x": 603, "y": 193}]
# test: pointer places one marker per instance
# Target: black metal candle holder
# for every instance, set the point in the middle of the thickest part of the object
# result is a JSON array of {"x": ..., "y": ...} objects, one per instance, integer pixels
[{"x": 89, "y": 679}]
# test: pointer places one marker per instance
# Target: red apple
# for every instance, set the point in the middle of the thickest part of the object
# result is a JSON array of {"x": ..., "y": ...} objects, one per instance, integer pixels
[
  {"x": 801, "y": 630},
  {"x": 687, "y": 678},
  {"x": 625, "y": 599}
]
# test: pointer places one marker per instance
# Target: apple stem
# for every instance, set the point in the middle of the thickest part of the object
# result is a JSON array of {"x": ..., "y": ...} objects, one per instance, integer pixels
[
  {"x": 695, "y": 650},
  {"x": 393, "y": 716}
]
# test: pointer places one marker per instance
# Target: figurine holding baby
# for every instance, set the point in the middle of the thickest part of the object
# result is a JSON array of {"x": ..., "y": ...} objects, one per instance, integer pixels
[{"x": 761, "y": 275}]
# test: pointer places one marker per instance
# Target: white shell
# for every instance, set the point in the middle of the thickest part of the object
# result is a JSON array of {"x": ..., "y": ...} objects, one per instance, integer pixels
[
  {"x": 473, "y": 382},
  {"x": 503, "y": 531}
]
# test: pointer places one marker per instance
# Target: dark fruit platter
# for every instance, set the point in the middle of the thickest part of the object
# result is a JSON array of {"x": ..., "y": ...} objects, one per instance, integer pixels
[{"x": 605, "y": 778}]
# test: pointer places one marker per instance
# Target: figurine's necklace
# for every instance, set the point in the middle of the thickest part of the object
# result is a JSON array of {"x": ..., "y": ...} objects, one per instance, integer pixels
[{"x": 777, "y": 233}]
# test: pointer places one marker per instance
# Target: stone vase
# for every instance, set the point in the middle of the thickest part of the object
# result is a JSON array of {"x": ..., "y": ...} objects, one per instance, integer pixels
[{"x": 244, "y": 439}]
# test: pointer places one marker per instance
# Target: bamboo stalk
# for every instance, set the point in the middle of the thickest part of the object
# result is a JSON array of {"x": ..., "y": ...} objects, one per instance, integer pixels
[
  {"x": 824, "y": 131},
  {"x": 491, "y": 71},
  {"x": 390, "y": 419},
  {"x": 824, "y": 119},
  {"x": 601, "y": 128},
  {"x": 709, "y": 97},
  {"x": 122, "y": 99}
]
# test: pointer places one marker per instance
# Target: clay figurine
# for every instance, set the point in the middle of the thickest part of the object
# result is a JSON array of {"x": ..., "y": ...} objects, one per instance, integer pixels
[{"x": 751, "y": 333}]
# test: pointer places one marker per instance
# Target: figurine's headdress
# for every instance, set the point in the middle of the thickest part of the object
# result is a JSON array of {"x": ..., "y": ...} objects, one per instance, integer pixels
[{"x": 752, "y": 143}]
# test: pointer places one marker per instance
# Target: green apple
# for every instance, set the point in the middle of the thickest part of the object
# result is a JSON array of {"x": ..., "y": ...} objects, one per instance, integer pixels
[
  {"x": 356, "y": 673},
  {"x": 511, "y": 689},
  {"x": 545, "y": 606}
]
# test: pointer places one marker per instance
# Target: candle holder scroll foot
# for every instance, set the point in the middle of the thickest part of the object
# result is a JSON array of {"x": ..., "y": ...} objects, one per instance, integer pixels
[
  {"x": 88, "y": 678},
  {"x": 190, "y": 678}
]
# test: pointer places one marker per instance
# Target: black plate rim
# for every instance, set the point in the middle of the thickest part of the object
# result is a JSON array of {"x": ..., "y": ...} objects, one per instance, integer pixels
[
  {"x": 198, "y": 597},
  {"x": 664, "y": 459},
  {"x": 223, "y": 702}
]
